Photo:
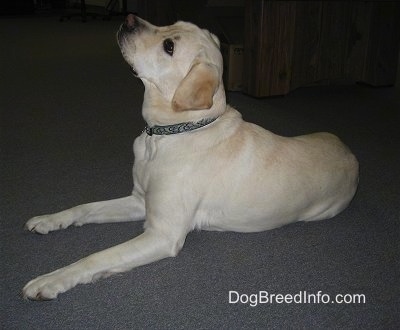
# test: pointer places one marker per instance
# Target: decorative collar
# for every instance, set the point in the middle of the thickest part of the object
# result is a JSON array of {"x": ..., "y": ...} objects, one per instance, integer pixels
[{"x": 178, "y": 128}]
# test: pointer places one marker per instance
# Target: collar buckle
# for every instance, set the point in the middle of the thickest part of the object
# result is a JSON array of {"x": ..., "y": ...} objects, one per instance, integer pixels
[{"x": 148, "y": 130}]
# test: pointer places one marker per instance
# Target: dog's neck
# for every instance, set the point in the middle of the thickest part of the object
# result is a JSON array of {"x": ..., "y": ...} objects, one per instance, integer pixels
[{"x": 157, "y": 110}]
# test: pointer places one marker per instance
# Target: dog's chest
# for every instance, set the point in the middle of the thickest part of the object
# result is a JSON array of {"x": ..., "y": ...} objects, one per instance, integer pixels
[{"x": 151, "y": 160}]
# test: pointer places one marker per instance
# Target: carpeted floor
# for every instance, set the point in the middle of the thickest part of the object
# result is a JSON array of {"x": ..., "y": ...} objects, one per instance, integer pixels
[{"x": 70, "y": 109}]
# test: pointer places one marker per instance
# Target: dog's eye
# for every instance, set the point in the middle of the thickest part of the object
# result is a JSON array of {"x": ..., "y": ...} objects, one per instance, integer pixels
[{"x": 169, "y": 46}]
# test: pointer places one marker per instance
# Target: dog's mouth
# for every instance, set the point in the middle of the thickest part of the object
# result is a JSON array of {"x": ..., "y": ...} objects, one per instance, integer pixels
[{"x": 134, "y": 71}]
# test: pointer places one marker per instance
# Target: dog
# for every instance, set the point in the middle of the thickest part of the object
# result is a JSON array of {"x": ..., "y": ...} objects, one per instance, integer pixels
[{"x": 198, "y": 164}]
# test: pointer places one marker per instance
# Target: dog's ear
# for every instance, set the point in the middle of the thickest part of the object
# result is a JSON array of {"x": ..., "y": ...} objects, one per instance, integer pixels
[{"x": 197, "y": 89}]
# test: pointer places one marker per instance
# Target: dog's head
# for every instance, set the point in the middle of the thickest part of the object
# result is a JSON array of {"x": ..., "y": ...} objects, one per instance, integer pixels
[{"x": 180, "y": 66}]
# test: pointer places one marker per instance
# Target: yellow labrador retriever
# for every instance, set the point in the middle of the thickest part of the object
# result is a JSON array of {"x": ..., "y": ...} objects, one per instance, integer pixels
[{"x": 198, "y": 164}]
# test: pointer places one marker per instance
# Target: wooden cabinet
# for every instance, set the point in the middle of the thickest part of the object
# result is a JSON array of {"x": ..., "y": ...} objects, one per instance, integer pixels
[{"x": 289, "y": 44}]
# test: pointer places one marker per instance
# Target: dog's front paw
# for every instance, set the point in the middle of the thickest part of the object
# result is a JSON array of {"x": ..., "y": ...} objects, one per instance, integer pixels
[
  {"x": 45, "y": 287},
  {"x": 44, "y": 224}
]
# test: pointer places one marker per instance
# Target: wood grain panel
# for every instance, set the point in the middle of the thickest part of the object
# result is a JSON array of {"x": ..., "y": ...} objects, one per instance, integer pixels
[{"x": 289, "y": 44}]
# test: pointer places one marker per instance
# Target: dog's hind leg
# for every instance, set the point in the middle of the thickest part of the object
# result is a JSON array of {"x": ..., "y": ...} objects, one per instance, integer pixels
[{"x": 129, "y": 208}]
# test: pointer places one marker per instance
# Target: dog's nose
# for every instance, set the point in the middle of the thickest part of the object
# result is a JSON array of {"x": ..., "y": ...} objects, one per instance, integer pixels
[{"x": 130, "y": 21}]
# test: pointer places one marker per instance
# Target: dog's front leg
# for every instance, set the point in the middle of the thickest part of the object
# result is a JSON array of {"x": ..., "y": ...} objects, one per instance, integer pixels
[
  {"x": 129, "y": 208},
  {"x": 150, "y": 246}
]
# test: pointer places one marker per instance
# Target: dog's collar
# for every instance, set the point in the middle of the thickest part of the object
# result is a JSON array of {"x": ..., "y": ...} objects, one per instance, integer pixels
[{"x": 178, "y": 128}]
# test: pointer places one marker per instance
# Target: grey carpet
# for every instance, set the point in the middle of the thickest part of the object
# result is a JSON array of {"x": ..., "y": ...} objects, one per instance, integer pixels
[{"x": 70, "y": 110}]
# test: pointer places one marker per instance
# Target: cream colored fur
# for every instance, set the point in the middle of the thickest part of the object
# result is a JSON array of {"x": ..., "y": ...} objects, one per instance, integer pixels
[{"x": 229, "y": 175}]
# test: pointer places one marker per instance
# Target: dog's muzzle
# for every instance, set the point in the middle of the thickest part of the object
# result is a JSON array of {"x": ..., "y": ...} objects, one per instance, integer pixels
[{"x": 132, "y": 24}]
